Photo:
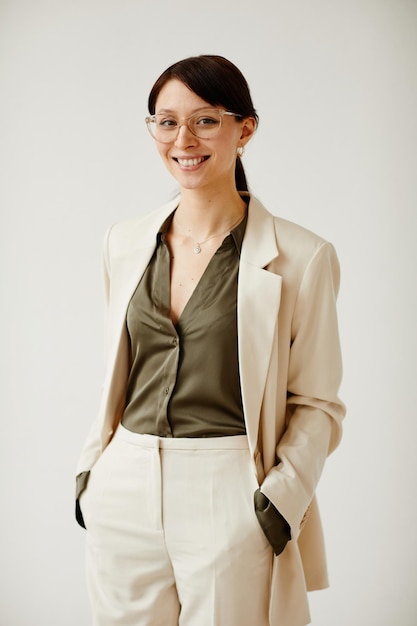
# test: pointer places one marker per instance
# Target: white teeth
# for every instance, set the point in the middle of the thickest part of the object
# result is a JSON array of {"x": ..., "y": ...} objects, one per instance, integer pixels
[{"x": 190, "y": 162}]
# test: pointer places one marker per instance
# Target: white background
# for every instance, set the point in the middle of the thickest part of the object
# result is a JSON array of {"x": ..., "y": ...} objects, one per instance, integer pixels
[{"x": 335, "y": 85}]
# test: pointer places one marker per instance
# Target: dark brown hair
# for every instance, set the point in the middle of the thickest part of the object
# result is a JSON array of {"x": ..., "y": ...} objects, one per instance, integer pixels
[{"x": 217, "y": 81}]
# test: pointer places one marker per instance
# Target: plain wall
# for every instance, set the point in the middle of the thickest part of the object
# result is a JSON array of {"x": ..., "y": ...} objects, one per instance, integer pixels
[{"x": 334, "y": 82}]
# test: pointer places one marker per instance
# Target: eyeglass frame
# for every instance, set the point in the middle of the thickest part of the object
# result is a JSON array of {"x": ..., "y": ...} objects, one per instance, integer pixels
[{"x": 151, "y": 118}]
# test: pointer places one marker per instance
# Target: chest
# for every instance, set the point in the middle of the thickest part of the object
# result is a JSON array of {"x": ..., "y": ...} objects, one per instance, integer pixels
[{"x": 186, "y": 271}]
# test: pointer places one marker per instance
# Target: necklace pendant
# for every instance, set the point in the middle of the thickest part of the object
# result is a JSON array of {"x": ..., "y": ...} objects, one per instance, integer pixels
[{"x": 197, "y": 248}]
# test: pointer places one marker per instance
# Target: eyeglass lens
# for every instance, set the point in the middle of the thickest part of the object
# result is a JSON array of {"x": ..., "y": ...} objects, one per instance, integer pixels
[{"x": 204, "y": 124}]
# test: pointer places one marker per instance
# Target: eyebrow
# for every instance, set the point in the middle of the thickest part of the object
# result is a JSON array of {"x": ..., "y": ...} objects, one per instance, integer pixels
[{"x": 209, "y": 106}]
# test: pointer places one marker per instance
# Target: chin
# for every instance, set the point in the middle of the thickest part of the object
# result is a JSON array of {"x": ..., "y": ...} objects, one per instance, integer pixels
[{"x": 190, "y": 182}]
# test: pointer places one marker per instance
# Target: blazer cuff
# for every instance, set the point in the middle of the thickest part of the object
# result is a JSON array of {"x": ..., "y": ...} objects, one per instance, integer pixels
[
  {"x": 81, "y": 484},
  {"x": 274, "y": 525}
]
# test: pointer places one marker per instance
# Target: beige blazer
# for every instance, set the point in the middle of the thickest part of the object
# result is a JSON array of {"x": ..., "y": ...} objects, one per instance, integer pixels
[{"x": 290, "y": 368}]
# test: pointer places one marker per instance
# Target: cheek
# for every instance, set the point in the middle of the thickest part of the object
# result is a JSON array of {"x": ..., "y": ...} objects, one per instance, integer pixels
[
  {"x": 162, "y": 150},
  {"x": 228, "y": 149},
  {"x": 228, "y": 157}
]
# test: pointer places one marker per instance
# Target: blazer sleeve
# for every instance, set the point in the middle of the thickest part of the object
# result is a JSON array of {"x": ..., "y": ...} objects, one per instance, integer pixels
[
  {"x": 314, "y": 411},
  {"x": 93, "y": 445}
]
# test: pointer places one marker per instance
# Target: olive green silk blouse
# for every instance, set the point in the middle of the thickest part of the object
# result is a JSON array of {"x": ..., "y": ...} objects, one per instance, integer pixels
[{"x": 184, "y": 377}]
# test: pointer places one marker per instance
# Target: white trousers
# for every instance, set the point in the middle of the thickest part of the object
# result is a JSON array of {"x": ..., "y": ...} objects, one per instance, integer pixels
[{"x": 172, "y": 536}]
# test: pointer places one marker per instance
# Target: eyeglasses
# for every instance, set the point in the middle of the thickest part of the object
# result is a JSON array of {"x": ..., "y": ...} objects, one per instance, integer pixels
[{"x": 205, "y": 124}]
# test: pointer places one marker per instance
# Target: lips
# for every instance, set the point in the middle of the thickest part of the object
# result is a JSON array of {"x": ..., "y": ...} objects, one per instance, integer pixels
[{"x": 190, "y": 162}]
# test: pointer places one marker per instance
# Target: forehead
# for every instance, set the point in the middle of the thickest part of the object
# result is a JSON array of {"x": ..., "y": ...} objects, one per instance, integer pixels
[{"x": 175, "y": 96}]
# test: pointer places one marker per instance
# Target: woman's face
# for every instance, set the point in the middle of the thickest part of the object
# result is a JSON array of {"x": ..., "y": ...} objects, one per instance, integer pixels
[{"x": 200, "y": 163}]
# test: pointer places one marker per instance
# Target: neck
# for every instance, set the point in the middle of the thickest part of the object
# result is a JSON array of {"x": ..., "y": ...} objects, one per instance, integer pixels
[{"x": 207, "y": 213}]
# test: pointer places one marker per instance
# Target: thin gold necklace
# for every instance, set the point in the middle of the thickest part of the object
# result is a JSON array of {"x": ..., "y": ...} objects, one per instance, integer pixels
[{"x": 198, "y": 244}]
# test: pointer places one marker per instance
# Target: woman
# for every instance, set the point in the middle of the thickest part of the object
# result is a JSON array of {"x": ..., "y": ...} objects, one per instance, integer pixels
[{"x": 197, "y": 481}]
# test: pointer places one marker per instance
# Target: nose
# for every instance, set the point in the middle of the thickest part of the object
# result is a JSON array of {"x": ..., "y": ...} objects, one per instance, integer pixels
[{"x": 185, "y": 137}]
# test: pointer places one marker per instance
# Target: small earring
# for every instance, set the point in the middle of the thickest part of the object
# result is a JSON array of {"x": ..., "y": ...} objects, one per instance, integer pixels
[{"x": 241, "y": 151}]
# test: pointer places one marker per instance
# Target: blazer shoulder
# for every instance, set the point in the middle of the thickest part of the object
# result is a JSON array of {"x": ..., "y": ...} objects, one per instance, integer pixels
[
  {"x": 292, "y": 233},
  {"x": 287, "y": 233},
  {"x": 298, "y": 242},
  {"x": 137, "y": 232},
  {"x": 301, "y": 251}
]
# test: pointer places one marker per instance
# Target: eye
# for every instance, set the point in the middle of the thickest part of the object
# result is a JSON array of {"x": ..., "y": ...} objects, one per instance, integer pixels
[
  {"x": 166, "y": 122},
  {"x": 207, "y": 121}
]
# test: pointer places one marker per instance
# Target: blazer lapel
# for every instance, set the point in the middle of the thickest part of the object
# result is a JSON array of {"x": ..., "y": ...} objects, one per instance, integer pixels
[
  {"x": 259, "y": 294},
  {"x": 138, "y": 242},
  {"x": 137, "y": 247}
]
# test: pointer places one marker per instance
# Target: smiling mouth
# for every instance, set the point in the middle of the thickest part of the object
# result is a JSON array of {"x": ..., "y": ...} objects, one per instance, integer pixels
[{"x": 191, "y": 162}]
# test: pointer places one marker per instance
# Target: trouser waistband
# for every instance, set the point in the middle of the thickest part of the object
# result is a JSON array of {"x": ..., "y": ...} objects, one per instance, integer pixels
[{"x": 233, "y": 442}]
